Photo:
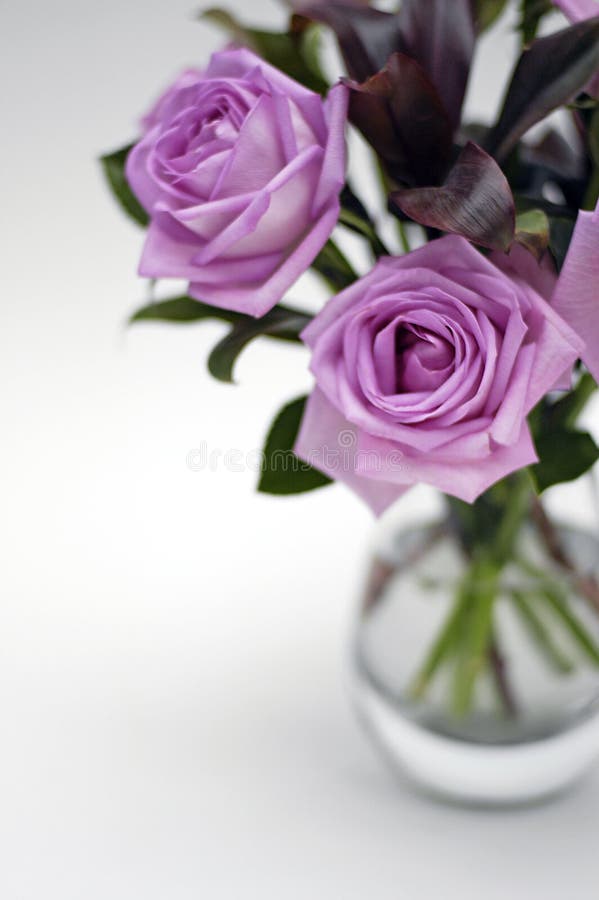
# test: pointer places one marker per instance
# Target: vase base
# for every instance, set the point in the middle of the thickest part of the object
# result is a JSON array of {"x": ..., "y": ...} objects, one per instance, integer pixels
[{"x": 471, "y": 774}]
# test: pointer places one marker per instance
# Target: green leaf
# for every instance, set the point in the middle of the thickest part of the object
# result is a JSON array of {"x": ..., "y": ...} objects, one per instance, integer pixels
[
  {"x": 182, "y": 310},
  {"x": 549, "y": 74},
  {"x": 282, "y": 471},
  {"x": 531, "y": 13},
  {"x": 487, "y": 13},
  {"x": 565, "y": 455},
  {"x": 355, "y": 216},
  {"x": 294, "y": 52},
  {"x": 592, "y": 192},
  {"x": 565, "y": 412},
  {"x": 594, "y": 137},
  {"x": 532, "y": 231},
  {"x": 560, "y": 236},
  {"x": 113, "y": 165},
  {"x": 281, "y": 322},
  {"x": 334, "y": 267}
]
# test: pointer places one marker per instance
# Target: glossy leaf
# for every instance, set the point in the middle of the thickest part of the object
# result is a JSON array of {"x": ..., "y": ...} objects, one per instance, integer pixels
[
  {"x": 531, "y": 13},
  {"x": 475, "y": 201},
  {"x": 113, "y": 165},
  {"x": 560, "y": 236},
  {"x": 440, "y": 35},
  {"x": 564, "y": 413},
  {"x": 355, "y": 216},
  {"x": 281, "y": 322},
  {"x": 282, "y": 471},
  {"x": 564, "y": 455},
  {"x": 181, "y": 310},
  {"x": 367, "y": 37},
  {"x": 400, "y": 114},
  {"x": 334, "y": 267},
  {"x": 548, "y": 75}
]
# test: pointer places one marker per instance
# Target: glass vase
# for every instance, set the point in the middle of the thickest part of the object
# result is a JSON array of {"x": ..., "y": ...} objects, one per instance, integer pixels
[{"x": 476, "y": 649}]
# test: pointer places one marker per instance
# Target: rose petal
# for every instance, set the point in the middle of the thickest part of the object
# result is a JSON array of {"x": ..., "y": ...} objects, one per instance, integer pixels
[
  {"x": 257, "y": 298},
  {"x": 576, "y": 297},
  {"x": 328, "y": 442},
  {"x": 455, "y": 474}
]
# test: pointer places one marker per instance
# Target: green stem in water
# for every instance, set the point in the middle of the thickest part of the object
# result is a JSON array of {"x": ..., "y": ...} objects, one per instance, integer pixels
[
  {"x": 574, "y": 626},
  {"x": 442, "y": 647},
  {"x": 540, "y": 633},
  {"x": 558, "y": 603},
  {"x": 498, "y": 669},
  {"x": 475, "y": 639}
]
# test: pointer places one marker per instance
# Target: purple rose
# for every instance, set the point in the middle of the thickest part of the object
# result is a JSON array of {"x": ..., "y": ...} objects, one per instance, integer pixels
[
  {"x": 173, "y": 101},
  {"x": 577, "y": 10},
  {"x": 576, "y": 296},
  {"x": 426, "y": 370},
  {"x": 240, "y": 170}
]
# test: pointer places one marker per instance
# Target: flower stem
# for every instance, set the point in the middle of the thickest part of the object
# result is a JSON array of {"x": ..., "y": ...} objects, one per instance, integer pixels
[
  {"x": 480, "y": 588},
  {"x": 443, "y": 645},
  {"x": 548, "y": 590},
  {"x": 499, "y": 670},
  {"x": 540, "y": 633},
  {"x": 585, "y": 584}
]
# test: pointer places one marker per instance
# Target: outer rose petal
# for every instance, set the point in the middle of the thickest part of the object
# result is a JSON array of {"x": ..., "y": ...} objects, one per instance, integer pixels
[
  {"x": 136, "y": 171},
  {"x": 257, "y": 298},
  {"x": 329, "y": 443},
  {"x": 335, "y": 159},
  {"x": 577, "y": 10},
  {"x": 455, "y": 475},
  {"x": 576, "y": 297},
  {"x": 520, "y": 263}
]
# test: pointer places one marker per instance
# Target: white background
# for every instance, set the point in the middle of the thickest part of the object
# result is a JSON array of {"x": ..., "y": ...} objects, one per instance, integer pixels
[{"x": 173, "y": 717}]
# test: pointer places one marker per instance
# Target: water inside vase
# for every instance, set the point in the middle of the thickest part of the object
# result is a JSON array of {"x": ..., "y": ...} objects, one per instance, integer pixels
[{"x": 540, "y": 677}]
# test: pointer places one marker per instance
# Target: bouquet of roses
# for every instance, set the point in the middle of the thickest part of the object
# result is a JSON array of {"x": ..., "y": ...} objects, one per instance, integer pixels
[{"x": 462, "y": 360}]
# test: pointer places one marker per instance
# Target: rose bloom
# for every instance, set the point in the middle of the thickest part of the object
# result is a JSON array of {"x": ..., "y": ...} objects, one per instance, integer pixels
[
  {"x": 240, "y": 170},
  {"x": 576, "y": 296},
  {"x": 426, "y": 370}
]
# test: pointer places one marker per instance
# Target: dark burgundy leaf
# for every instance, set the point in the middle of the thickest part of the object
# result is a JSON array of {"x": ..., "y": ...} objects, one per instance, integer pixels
[
  {"x": 401, "y": 115},
  {"x": 441, "y": 35},
  {"x": 438, "y": 34},
  {"x": 367, "y": 37},
  {"x": 475, "y": 201},
  {"x": 549, "y": 74}
]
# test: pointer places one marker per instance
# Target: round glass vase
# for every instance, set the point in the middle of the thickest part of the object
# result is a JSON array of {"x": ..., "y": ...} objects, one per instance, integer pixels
[{"x": 475, "y": 662}]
